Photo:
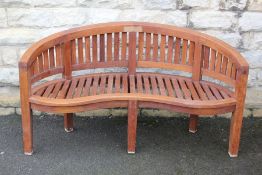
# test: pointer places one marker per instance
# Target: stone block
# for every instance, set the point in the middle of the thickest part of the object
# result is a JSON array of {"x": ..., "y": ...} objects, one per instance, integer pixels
[
  {"x": 196, "y": 4},
  {"x": 9, "y": 76},
  {"x": 159, "y": 4},
  {"x": 3, "y": 18},
  {"x": 250, "y": 21},
  {"x": 6, "y": 111},
  {"x": 252, "y": 40},
  {"x": 254, "y": 58},
  {"x": 255, "y": 5},
  {"x": 115, "y": 4},
  {"x": 213, "y": 19},
  {"x": 9, "y": 96}
]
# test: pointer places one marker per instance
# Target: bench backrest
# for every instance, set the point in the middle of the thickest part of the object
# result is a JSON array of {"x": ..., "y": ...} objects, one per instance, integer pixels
[{"x": 133, "y": 45}]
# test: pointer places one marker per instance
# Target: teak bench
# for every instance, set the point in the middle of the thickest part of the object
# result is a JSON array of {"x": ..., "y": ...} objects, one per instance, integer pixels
[{"x": 137, "y": 48}]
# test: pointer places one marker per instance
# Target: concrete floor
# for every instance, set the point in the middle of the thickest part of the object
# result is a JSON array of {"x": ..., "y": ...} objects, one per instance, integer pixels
[{"x": 98, "y": 146}]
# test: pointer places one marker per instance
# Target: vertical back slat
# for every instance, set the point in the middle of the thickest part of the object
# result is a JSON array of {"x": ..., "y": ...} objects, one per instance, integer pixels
[
  {"x": 162, "y": 48},
  {"x": 80, "y": 50},
  {"x": 73, "y": 51},
  {"x": 58, "y": 55},
  {"x": 123, "y": 48},
  {"x": 116, "y": 46},
  {"x": 184, "y": 51},
  {"x": 87, "y": 49},
  {"x": 141, "y": 46},
  {"x": 170, "y": 49},
  {"x": 177, "y": 51},
  {"x": 218, "y": 62},
  {"x": 148, "y": 46},
  {"x": 224, "y": 65},
  {"x": 52, "y": 57},
  {"x": 102, "y": 48},
  {"x": 155, "y": 47},
  {"x": 109, "y": 47},
  {"x": 191, "y": 53},
  {"x": 212, "y": 60},
  {"x": 40, "y": 63},
  {"x": 94, "y": 48},
  {"x": 46, "y": 60},
  {"x": 206, "y": 56}
]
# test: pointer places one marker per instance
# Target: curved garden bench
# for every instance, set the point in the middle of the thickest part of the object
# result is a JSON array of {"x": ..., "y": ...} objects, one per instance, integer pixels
[{"x": 193, "y": 61}]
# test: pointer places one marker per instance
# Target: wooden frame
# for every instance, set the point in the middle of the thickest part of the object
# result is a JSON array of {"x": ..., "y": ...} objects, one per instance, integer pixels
[{"x": 133, "y": 45}]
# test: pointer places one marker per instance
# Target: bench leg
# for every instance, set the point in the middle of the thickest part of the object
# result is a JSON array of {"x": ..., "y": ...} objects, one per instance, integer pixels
[
  {"x": 235, "y": 131},
  {"x": 27, "y": 127},
  {"x": 68, "y": 122},
  {"x": 193, "y": 120},
  {"x": 132, "y": 125}
]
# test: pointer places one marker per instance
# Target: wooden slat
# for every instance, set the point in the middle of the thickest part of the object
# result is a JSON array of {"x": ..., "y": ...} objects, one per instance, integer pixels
[
  {"x": 155, "y": 47},
  {"x": 146, "y": 84},
  {"x": 125, "y": 83},
  {"x": 73, "y": 51},
  {"x": 161, "y": 85},
  {"x": 94, "y": 87},
  {"x": 64, "y": 90},
  {"x": 163, "y": 48},
  {"x": 200, "y": 91},
  {"x": 177, "y": 88},
  {"x": 139, "y": 84},
  {"x": 229, "y": 68},
  {"x": 40, "y": 91},
  {"x": 224, "y": 65},
  {"x": 218, "y": 62},
  {"x": 87, "y": 49},
  {"x": 177, "y": 51},
  {"x": 79, "y": 87},
  {"x": 132, "y": 84},
  {"x": 57, "y": 88},
  {"x": 94, "y": 48},
  {"x": 169, "y": 87},
  {"x": 170, "y": 49},
  {"x": 124, "y": 44},
  {"x": 206, "y": 57},
  {"x": 80, "y": 50},
  {"x": 154, "y": 86},
  {"x": 110, "y": 84},
  {"x": 216, "y": 93},
  {"x": 208, "y": 92},
  {"x": 116, "y": 46},
  {"x": 102, "y": 48},
  {"x": 46, "y": 60},
  {"x": 233, "y": 72},
  {"x": 184, "y": 51},
  {"x": 109, "y": 47},
  {"x": 52, "y": 57},
  {"x": 224, "y": 94},
  {"x": 49, "y": 90},
  {"x": 102, "y": 84},
  {"x": 141, "y": 46},
  {"x": 58, "y": 55},
  {"x": 71, "y": 89},
  {"x": 36, "y": 67},
  {"x": 191, "y": 53},
  {"x": 40, "y": 63},
  {"x": 184, "y": 89},
  {"x": 148, "y": 46},
  {"x": 192, "y": 90},
  {"x": 117, "y": 83},
  {"x": 86, "y": 89},
  {"x": 212, "y": 60}
]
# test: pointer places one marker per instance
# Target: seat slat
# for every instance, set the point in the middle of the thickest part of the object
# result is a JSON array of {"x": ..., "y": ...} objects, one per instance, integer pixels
[
  {"x": 63, "y": 92},
  {"x": 146, "y": 84},
  {"x": 86, "y": 89},
  {"x": 57, "y": 88},
  {"x": 169, "y": 87},
  {"x": 154, "y": 86},
  {"x": 192, "y": 90},
  {"x": 72, "y": 88},
  {"x": 177, "y": 88},
  {"x": 40, "y": 91},
  {"x": 80, "y": 87},
  {"x": 161, "y": 85},
  {"x": 184, "y": 89},
  {"x": 208, "y": 92},
  {"x": 139, "y": 84},
  {"x": 200, "y": 91},
  {"x": 216, "y": 93},
  {"x": 49, "y": 90},
  {"x": 117, "y": 83}
]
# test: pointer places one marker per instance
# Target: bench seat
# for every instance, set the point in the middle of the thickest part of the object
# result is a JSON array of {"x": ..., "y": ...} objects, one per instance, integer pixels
[{"x": 145, "y": 87}]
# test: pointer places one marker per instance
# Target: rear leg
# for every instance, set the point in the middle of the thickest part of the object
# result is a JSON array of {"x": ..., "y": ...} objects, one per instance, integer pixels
[
  {"x": 68, "y": 122},
  {"x": 193, "y": 121}
]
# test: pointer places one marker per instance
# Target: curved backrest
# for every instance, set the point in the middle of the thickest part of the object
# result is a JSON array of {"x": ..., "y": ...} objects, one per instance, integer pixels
[{"x": 133, "y": 45}]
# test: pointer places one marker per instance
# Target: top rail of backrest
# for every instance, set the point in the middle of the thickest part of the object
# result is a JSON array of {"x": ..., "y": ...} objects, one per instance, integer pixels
[{"x": 206, "y": 43}]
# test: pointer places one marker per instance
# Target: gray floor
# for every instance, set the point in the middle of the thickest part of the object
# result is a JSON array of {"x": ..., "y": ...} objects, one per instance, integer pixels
[{"x": 98, "y": 146}]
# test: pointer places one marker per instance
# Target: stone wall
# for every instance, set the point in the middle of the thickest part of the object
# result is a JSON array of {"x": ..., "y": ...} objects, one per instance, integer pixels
[{"x": 238, "y": 22}]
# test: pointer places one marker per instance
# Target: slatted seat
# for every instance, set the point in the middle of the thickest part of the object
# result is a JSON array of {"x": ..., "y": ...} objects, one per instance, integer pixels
[
  {"x": 136, "y": 48},
  {"x": 142, "y": 86}
]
